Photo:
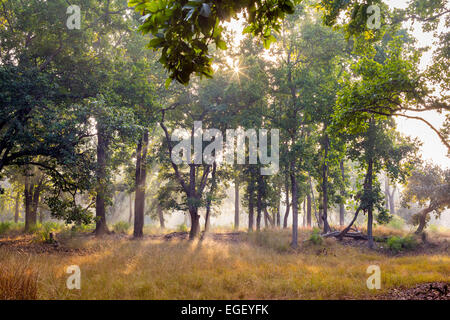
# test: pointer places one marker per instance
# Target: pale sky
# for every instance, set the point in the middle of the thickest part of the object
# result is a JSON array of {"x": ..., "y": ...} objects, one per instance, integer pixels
[{"x": 433, "y": 149}]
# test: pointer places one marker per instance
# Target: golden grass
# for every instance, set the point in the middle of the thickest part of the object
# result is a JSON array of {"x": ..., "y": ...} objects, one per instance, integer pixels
[
  {"x": 252, "y": 269},
  {"x": 17, "y": 281}
]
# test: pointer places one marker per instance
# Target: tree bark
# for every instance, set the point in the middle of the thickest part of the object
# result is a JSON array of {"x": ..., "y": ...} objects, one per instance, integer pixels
[
  {"x": 326, "y": 227},
  {"x": 211, "y": 194},
  {"x": 288, "y": 205},
  {"x": 423, "y": 219},
  {"x": 392, "y": 201},
  {"x": 141, "y": 176},
  {"x": 251, "y": 207},
  {"x": 130, "y": 217},
  {"x": 236, "y": 203},
  {"x": 258, "y": 204},
  {"x": 17, "y": 208},
  {"x": 100, "y": 201},
  {"x": 308, "y": 210},
  {"x": 30, "y": 219},
  {"x": 162, "y": 223},
  {"x": 341, "y": 205},
  {"x": 370, "y": 209},
  {"x": 294, "y": 243}
]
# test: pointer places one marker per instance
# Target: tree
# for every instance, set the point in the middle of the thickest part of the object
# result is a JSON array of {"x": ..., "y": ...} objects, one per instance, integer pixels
[{"x": 429, "y": 187}]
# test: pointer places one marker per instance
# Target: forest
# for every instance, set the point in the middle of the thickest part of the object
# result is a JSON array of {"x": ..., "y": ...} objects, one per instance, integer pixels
[{"x": 196, "y": 149}]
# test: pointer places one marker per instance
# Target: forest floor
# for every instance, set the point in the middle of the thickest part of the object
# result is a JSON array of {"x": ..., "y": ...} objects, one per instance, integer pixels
[{"x": 226, "y": 265}]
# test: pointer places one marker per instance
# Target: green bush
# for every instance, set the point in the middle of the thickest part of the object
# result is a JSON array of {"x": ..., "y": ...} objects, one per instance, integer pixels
[
  {"x": 5, "y": 226},
  {"x": 315, "y": 237},
  {"x": 397, "y": 244},
  {"x": 396, "y": 223},
  {"x": 182, "y": 228},
  {"x": 44, "y": 230},
  {"x": 121, "y": 227}
]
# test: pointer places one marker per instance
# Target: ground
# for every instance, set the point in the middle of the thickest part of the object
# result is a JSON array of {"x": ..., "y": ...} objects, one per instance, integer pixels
[{"x": 226, "y": 265}]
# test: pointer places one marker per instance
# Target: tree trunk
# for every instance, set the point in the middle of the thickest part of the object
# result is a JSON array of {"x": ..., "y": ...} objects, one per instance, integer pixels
[
  {"x": 326, "y": 227},
  {"x": 211, "y": 194},
  {"x": 251, "y": 209},
  {"x": 30, "y": 219},
  {"x": 35, "y": 201},
  {"x": 294, "y": 243},
  {"x": 308, "y": 210},
  {"x": 195, "y": 223},
  {"x": 141, "y": 176},
  {"x": 320, "y": 220},
  {"x": 100, "y": 201},
  {"x": 313, "y": 199},
  {"x": 341, "y": 205},
  {"x": 279, "y": 213},
  {"x": 370, "y": 209},
  {"x": 304, "y": 213},
  {"x": 130, "y": 217},
  {"x": 236, "y": 203},
  {"x": 17, "y": 208},
  {"x": 162, "y": 223},
  {"x": 258, "y": 204},
  {"x": 392, "y": 201},
  {"x": 288, "y": 205},
  {"x": 423, "y": 220}
]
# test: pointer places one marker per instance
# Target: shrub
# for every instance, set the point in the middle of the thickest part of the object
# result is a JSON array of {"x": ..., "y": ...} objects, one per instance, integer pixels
[
  {"x": 315, "y": 237},
  {"x": 5, "y": 226},
  {"x": 397, "y": 244},
  {"x": 182, "y": 228},
  {"x": 17, "y": 283},
  {"x": 396, "y": 223},
  {"x": 44, "y": 231},
  {"x": 121, "y": 227}
]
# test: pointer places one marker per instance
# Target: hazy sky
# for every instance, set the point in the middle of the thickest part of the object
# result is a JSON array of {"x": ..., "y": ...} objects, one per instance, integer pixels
[{"x": 433, "y": 149}]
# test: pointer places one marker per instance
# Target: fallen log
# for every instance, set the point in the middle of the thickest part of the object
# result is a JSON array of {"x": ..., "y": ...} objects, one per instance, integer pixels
[{"x": 353, "y": 235}]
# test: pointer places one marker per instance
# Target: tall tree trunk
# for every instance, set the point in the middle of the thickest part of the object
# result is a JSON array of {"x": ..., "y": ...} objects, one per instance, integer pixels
[
  {"x": 370, "y": 209},
  {"x": 100, "y": 201},
  {"x": 387, "y": 193},
  {"x": 30, "y": 219},
  {"x": 294, "y": 243},
  {"x": 17, "y": 208},
  {"x": 236, "y": 202},
  {"x": 162, "y": 223},
  {"x": 251, "y": 208},
  {"x": 341, "y": 205},
  {"x": 320, "y": 220},
  {"x": 36, "y": 200},
  {"x": 326, "y": 227},
  {"x": 139, "y": 207},
  {"x": 392, "y": 201},
  {"x": 211, "y": 194},
  {"x": 259, "y": 204},
  {"x": 304, "y": 213},
  {"x": 279, "y": 213},
  {"x": 195, "y": 223},
  {"x": 288, "y": 205},
  {"x": 313, "y": 199},
  {"x": 308, "y": 210},
  {"x": 130, "y": 217}
]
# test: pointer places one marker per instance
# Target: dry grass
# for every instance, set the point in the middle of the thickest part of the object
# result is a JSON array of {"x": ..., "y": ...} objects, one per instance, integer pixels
[
  {"x": 260, "y": 267},
  {"x": 17, "y": 281}
]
